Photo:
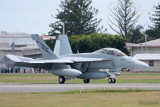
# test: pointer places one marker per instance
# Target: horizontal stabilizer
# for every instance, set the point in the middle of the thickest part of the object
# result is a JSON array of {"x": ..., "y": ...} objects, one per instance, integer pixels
[{"x": 15, "y": 58}]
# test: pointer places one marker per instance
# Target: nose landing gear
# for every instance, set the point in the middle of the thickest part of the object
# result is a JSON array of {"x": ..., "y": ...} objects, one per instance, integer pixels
[{"x": 111, "y": 80}]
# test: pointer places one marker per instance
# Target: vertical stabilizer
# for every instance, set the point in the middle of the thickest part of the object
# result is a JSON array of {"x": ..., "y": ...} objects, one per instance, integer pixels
[
  {"x": 45, "y": 50},
  {"x": 62, "y": 46}
]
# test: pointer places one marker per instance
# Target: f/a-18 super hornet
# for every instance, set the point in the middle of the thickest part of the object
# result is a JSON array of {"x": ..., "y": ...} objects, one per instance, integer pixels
[{"x": 105, "y": 62}]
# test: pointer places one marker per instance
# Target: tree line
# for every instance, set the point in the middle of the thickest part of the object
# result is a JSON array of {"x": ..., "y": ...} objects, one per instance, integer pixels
[
  {"x": 95, "y": 41},
  {"x": 84, "y": 29}
]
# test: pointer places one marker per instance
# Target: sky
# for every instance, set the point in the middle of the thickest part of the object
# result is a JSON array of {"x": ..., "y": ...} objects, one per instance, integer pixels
[{"x": 34, "y": 16}]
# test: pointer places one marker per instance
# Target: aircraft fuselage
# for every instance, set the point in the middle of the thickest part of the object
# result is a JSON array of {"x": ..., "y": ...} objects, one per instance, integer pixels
[{"x": 117, "y": 62}]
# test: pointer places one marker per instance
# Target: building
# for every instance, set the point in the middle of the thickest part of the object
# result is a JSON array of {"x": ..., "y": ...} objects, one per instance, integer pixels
[
  {"x": 148, "y": 52},
  {"x": 153, "y": 60},
  {"x": 153, "y": 47},
  {"x": 24, "y": 45}
]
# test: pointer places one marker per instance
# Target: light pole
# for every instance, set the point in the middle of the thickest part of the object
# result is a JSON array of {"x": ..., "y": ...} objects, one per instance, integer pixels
[
  {"x": 145, "y": 43},
  {"x": 141, "y": 47}
]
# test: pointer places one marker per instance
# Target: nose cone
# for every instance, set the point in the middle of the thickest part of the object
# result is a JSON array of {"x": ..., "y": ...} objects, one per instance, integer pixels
[{"x": 140, "y": 65}]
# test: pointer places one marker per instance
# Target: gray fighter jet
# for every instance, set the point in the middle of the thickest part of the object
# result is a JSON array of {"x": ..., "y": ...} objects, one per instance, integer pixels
[{"x": 106, "y": 62}]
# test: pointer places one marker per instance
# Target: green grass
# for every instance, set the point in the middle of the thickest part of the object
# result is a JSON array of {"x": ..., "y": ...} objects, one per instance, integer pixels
[
  {"x": 89, "y": 98},
  {"x": 104, "y": 91},
  {"x": 50, "y": 78}
]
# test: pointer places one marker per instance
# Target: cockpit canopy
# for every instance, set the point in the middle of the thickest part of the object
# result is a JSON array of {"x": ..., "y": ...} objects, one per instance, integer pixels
[{"x": 111, "y": 51}]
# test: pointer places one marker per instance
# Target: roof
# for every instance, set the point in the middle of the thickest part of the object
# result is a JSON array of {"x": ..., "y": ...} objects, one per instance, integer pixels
[
  {"x": 19, "y": 49},
  {"x": 147, "y": 56},
  {"x": 45, "y": 37},
  {"x": 152, "y": 43},
  {"x": 15, "y": 35}
]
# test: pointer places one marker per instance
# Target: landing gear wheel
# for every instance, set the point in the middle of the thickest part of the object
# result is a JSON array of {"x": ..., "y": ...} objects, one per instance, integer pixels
[
  {"x": 61, "y": 79},
  {"x": 86, "y": 80},
  {"x": 112, "y": 80}
]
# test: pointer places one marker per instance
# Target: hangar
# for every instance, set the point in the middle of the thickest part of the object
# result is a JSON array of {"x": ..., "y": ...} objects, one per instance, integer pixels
[{"x": 24, "y": 45}]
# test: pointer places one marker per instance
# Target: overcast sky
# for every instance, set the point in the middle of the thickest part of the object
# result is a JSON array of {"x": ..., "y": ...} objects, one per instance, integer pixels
[{"x": 34, "y": 16}]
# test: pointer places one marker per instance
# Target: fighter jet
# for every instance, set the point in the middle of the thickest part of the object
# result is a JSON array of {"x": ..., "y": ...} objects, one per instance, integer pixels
[{"x": 105, "y": 62}]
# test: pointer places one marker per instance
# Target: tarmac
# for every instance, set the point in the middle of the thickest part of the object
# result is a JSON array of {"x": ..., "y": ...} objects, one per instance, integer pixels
[{"x": 20, "y": 88}]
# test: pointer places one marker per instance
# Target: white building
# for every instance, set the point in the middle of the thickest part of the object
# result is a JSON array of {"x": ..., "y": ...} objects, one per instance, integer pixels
[
  {"x": 153, "y": 47},
  {"x": 21, "y": 39},
  {"x": 24, "y": 45},
  {"x": 148, "y": 52}
]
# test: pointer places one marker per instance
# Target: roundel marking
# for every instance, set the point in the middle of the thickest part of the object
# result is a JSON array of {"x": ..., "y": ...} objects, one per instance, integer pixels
[{"x": 113, "y": 64}]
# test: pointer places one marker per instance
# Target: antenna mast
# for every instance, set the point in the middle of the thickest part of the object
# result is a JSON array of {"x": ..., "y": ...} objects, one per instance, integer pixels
[{"x": 146, "y": 43}]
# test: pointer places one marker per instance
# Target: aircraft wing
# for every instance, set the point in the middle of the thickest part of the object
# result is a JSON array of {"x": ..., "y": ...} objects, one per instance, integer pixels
[
  {"x": 19, "y": 59},
  {"x": 66, "y": 60},
  {"x": 53, "y": 61},
  {"x": 83, "y": 59}
]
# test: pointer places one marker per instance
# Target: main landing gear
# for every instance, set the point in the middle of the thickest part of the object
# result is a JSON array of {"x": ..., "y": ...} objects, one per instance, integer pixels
[
  {"x": 112, "y": 80},
  {"x": 61, "y": 79},
  {"x": 86, "y": 81},
  {"x": 112, "y": 77}
]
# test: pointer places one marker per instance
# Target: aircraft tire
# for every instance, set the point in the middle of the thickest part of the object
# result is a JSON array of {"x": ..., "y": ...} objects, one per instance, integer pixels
[
  {"x": 86, "y": 81},
  {"x": 109, "y": 80},
  {"x": 61, "y": 79},
  {"x": 113, "y": 80}
]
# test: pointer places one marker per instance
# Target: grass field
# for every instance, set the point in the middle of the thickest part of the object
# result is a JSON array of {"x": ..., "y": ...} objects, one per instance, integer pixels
[
  {"x": 105, "y": 98},
  {"x": 49, "y": 78}
]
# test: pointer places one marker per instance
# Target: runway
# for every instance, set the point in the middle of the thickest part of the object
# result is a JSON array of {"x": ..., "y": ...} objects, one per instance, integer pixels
[{"x": 18, "y": 88}]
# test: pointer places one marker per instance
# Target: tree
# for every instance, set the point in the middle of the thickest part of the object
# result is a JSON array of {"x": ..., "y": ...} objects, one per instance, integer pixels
[
  {"x": 154, "y": 31},
  {"x": 51, "y": 43},
  {"x": 78, "y": 17},
  {"x": 125, "y": 16},
  {"x": 156, "y": 17},
  {"x": 135, "y": 34}
]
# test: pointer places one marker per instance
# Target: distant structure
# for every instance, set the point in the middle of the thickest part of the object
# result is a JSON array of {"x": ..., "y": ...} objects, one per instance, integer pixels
[
  {"x": 45, "y": 37},
  {"x": 153, "y": 47},
  {"x": 24, "y": 45},
  {"x": 149, "y": 54},
  {"x": 153, "y": 60}
]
